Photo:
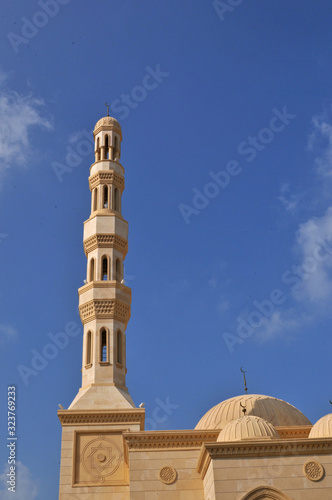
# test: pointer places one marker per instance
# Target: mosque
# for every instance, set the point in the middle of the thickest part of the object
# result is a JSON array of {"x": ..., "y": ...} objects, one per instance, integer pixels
[{"x": 249, "y": 447}]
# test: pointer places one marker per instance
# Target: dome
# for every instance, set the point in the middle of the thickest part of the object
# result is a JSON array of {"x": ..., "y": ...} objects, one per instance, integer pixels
[
  {"x": 273, "y": 410},
  {"x": 107, "y": 122},
  {"x": 322, "y": 428},
  {"x": 248, "y": 428}
]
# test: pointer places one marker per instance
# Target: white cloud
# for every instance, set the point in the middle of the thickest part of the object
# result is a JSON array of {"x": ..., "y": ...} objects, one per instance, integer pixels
[
  {"x": 321, "y": 141},
  {"x": 289, "y": 200},
  {"x": 281, "y": 322},
  {"x": 7, "y": 332},
  {"x": 18, "y": 114},
  {"x": 314, "y": 243},
  {"x": 26, "y": 486}
]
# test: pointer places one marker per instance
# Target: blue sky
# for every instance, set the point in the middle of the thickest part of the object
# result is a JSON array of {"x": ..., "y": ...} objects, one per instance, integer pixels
[{"x": 228, "y": 164}]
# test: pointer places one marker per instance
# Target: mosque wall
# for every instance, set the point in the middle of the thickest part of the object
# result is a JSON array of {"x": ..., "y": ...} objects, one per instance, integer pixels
[
  {"x": 165, "y": 474},
  {"x": 234, "y": 478}
]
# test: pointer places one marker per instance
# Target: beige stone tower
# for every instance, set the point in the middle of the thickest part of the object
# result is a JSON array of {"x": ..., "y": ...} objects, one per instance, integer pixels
[{"x": 93, "y": 459}]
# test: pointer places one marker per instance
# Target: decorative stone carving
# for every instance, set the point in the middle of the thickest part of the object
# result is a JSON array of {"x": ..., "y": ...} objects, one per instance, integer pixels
[
  {"x": 101, "y": 458},
  {"x": 167, "y": 474},
  {"x": 98, "y": 308},
  {"x": 106, "y": 177},
  {"x": 106, "y": 241},
  {"x": 313, "y": 470}
]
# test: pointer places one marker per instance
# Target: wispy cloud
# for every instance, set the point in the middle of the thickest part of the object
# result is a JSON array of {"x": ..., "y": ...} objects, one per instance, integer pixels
[
  {"x": 290, "y": 201},
  {"x": 281, "y": 322},
  {"x": 18, "y": 115},
  {"x": 316, "y": 284},
  {"x": 7, "y": 332},
  {"x": 27, "y": 488},
  {"x": 320, "y": 142}
]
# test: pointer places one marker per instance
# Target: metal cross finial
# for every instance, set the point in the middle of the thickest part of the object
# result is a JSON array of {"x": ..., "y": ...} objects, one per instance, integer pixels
[
  {"x": 244, "y": 409},
  {"x": 244, "y": 379},
  {"x": 108, "y": 108}
]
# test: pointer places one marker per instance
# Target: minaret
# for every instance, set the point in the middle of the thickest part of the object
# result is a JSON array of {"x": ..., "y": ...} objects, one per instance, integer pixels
[
  {"x": 103, "y": 405},
  {"x": 104, "y": 301}
]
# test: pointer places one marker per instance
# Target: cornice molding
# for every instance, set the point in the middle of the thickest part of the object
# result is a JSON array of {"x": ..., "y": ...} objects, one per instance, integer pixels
[
  {"x": 105, "y": 284},
  {"x": 156, "y": 440},
  {"x": 106, "y": 241},
  {"x": 102, "y": 417},
  {"x": 250, "y": 448},
  {"x": 108, "y": 177},
  {"x": 302, "y": 431},
  {"x": 104, "y": 308},
  {"x": 105, "y": 212}
]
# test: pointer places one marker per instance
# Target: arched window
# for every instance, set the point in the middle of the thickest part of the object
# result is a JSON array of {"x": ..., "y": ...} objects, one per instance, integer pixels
[
  {"x": 116, "y": 200},
  {"x": 92, "y": 270},
  {"x": 88, "y": 357},
  {"x": 107, "y": 150},
  {"x": 104, "y": 268},
  {"x": 119, "y": 347},
  {"x": 118, "y": 270},
  {"x": 103, "y": 346},
  {"x": 266, "y": 493},
  {"x": 94, "y": 199},
  {"x": 105, "y": 197},
  {"x": 115, "y": 147},
  {"x": 97, "y": 150}
]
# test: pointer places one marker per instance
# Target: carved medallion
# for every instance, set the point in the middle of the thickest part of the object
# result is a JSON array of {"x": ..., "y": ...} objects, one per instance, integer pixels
[
  {"x": 313, "y": 470},
  {"x": 101, "y": 458},
  {"x": 167, "y": 474}
]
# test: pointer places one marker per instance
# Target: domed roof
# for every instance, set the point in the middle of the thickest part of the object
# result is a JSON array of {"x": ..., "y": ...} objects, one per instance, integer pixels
[
  {"x": 107, "y": 122},
  {"x": 322, "y": 428},
  {"x": 273, "y": 410},
  {"x": 248, "y": 428}
]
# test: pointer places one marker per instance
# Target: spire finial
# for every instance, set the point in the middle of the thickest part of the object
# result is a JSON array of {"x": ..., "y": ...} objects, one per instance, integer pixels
[
  {"x": 330, "y": 402},
  {"x": 244, "y": 409},
  {"x": 108, "y": 108},
  {"x": 244, "y": 379}
]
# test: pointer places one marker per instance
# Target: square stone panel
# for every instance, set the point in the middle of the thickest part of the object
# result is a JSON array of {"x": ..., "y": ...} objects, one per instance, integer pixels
[{"x": 99, "y": 460}]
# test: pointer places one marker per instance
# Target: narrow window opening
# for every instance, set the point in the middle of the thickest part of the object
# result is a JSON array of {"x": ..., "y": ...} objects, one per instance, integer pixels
[
  {"x": 94, "y": 199},
  {"x": 115, "y": 148},
  {"x": 103, "y": 346},
  {"x": 105, "y": 268},
  {"x": 98, "y": 149},
  {"x": 88, "y": 348},
  {"x": 119, "y": 347},
  {"x": 92, "y": 270},
  {"x": 107, "y": 152},
  {"x": 105, "y": 196}
]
